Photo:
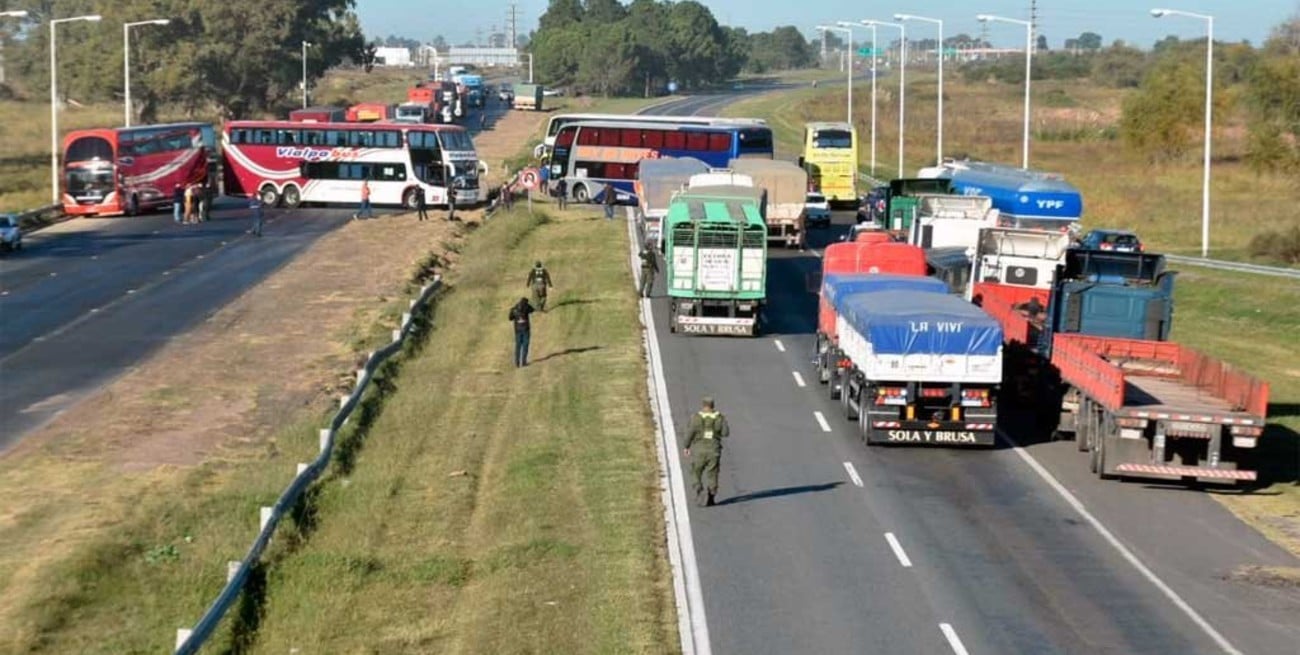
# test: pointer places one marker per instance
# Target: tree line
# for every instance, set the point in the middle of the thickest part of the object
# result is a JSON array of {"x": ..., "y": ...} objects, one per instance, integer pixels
[{"x": 235, "y": 58}]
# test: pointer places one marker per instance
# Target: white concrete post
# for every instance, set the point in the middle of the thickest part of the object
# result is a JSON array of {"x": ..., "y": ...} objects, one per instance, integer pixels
[
  {"x": 181, "y": 635},
  {"x": 325, "y": 433},
  {"x": 266, "y": 517},
  {"x": 232, "y": 567}
]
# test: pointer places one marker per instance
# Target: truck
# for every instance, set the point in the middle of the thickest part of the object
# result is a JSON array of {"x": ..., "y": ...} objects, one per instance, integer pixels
[
  {"x": 656, "y": 183},
  {"x": 440, "y": 96},
  {"x": 1098, "y": 358},
  {"x": 527, "y": 96},
  {"x": 901, "y": 203},
  {"x": 1025, "y": 198},
  {"x": 370, "y": 112},
  {"x": 319, "y": 115},
  {"x": 715, "y": 247},
  {"x": 787, "y": 187},
  {"x": 472, "y": 85},
  {"x": 911, "y": 363},
  {"x": 413, "y": 112}
]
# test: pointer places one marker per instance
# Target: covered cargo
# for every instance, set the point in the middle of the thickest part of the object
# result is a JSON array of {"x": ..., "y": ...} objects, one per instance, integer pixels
[
  {"x": 1025, "y": 198},
  {"x": 906, "y": 336},
  {"x": 370, "y": 112},
  {"x": 838, "y": 287},
  {"x": 657, "y": 181},
  {"x": 528, "y": 96},
  {"x": 787, "y": 188}
]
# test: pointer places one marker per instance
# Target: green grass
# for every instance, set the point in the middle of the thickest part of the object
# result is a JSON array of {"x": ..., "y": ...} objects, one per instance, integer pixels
[{"x": 495, "y": 509}]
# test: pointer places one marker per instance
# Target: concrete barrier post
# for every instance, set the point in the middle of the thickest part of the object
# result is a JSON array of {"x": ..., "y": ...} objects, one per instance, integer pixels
[
  {"x": 406, "y": 319},
  {"x": 397, "y": 334},
  {"x": 266, "y": 517},
  {"x": 181, "y": 635},
  {"x": 301, "y": 468},
  {"x": 361, "y": 376},
  {"x": 325, "y": 434},
  {"x": 232, "y": 567}
]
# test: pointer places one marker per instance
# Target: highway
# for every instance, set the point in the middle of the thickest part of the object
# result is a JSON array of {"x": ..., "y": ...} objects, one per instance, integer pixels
[{"x": 821, "y": 545}]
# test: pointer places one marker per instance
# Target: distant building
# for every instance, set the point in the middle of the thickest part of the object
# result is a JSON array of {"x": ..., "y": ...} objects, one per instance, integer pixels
[{"x": 385, "y": 56}]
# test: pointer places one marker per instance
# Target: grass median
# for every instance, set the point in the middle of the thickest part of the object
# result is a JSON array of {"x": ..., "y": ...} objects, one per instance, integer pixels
[{"x": 495, "y": 509}]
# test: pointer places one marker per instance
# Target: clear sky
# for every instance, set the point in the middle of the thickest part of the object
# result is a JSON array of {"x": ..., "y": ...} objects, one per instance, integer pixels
[{"x": 1235, "y": 20}]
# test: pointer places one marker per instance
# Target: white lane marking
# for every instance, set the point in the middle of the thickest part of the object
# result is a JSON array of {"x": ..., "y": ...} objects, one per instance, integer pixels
[
  {"x": 853, "y": 474},
  {"x": 897, "y": 547},
  {"x": 1123, "y": 550},
  {"x": 779, "y": 346},
  {"x": 52, "y": 274},
  {"x": 798, "y": 379},
  {"x": 953, "y": 639},
  {"x": 821, "y": 420},
  {"x": 129, "y": 291},
  {"x": 816, "y": 253},
  {"x": 692, "y": 623}
]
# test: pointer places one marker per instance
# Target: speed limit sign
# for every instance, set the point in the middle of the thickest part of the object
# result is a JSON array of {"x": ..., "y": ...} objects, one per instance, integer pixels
[{"x": 529, "y": 178}]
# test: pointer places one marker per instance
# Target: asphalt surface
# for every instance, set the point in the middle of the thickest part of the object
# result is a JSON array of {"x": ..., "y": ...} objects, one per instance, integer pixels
[{"x": 795, "y": 558}]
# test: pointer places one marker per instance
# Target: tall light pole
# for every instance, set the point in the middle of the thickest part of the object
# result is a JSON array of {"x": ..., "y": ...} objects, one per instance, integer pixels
[
  {"x": 305, "y": 45},
  {"x": 530, "y": 67},
  {"x": 902, "y": 84},
  {"x": 18, "y": 13},
  {"x": 1029, "y": 58},
  {"x": 54, "y": 103},
  {"x": 1209, "y": 114},
  {"x": 873, "y": 90},
  {"x": 848, "y": 53},
  {"x": 126, "y": 62},
  {"x": 938, "y": 149}
]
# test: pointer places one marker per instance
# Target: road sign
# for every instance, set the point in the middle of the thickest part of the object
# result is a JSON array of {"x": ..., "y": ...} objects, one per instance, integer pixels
[
  {"x": 864, "y": 52},
  {"x": 530, "y": 178}
]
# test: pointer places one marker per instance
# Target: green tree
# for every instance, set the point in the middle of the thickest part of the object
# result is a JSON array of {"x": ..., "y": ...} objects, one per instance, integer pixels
[
  {"x": 560, "y": 14},
  {"x": 1090, "y": 41},
  {"x": 1273, "y": 99},
  {"x": 1162, "y": 119},
  {"x": 1119, "y": 66},
  {"x": 604, "y": 11}
]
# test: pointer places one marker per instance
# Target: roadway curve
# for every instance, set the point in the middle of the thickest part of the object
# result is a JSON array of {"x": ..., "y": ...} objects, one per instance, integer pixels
[{"x": 796, "y": 559}]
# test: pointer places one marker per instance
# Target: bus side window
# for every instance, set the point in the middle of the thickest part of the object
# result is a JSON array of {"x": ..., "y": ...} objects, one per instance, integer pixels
[
  {"x": 313, "y": 137},
  {"x": 630, "y": 138},
  {"x": 675, "y": 140},
  {"x": 564, "y": 139},
  {"x": 654, "y": 139},
  {"x": 697, "y": 141},
  {"x": 609, "y": 137},
  {"x": 589, "y": 137},
  {"x": 719, "y": 142}
]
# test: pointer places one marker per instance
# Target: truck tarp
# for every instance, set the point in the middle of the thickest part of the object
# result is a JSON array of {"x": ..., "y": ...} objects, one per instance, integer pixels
[
  {"x": 722, "y": 192},
  {"x": 910, "y": 323},
  {"x": 658, "y": 179},
  {"x": 786, "y": 185},
  {"x": 837, "y": 288}
]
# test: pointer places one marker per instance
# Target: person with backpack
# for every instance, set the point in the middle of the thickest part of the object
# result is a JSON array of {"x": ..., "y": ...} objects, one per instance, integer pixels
[
  {"x": 519, "y": 317},
  {"x": 539, "y": 280}
]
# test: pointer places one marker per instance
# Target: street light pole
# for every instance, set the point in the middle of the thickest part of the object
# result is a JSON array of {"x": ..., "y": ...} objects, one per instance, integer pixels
[
  {"x": 54, "y": 103},
  {"x": 938, "y": 154},
  {"x": 848, "y": 57},
  {"x": 902, "y": 84},
  {"x": 126, "y": 63},
  {"x": 305, "y": 45},
  {"x": 873, "y": 90},
  {"x": 18, "y": 13},
  {"x": 1029, "y": 55},
  {"x": 530, "y": 68},
  {"x": 1209, "y": 120}
]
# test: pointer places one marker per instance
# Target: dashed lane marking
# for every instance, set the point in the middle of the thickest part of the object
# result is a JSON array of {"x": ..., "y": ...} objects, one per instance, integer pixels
[
  {"x": 953, "y": 640},
  {"x": 897, "y": 547},
  {"x": 821, "y": 420},
  {"x": 798, "y": 379},
  {"x": 853, "y": 474},
  {"x": 779, "y": 346}
]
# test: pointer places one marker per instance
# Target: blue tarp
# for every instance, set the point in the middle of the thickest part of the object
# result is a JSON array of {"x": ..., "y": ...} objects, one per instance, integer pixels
[
  {"x": 910, "y": 323},
  {"x": 839, "y": 286}
]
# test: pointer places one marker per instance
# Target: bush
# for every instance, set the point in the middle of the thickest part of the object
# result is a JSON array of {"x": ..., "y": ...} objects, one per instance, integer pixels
[{"x": 1277, "y": 245}]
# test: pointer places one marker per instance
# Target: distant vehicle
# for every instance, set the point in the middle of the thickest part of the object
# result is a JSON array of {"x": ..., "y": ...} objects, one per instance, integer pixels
[
  {"x": 527, "y": 97},
  {"x": 1111, "y": 240},
  {"x": 1025, "y": 199},
  {"x": 784, "y": 207},
  {"x": 506, "y": 93},
  {"x": 830, "y": 155},
  {"x": 871, "y": 207},
  {"x": 127, "y": 170},
  {"x": 11, "y": 236},
  {"x": 658, "y": 180},
  {"x": 817, "y": 210},
  {"x": 548, "y": 92},
  {"x": 556, "y": 122},
  {"x": 738, "y": 86},
  {"x": 291, "y": 163},
  {"x": 370, "y": 112},
  {"x": 413, "y": 112},
  {"x": 319, "y": 115}
]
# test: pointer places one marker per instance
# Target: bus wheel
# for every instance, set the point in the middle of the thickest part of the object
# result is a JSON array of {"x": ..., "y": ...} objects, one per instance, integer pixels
[
  {"x": 580, "y": 193},
  {"x": 410, "y": 200},
  {"x": 292, "y": 196},
  {"x": 268, "y": 195}
]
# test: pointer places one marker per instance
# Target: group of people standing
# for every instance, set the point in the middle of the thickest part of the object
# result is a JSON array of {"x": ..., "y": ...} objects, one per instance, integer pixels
[{"x": 191, "y": 203}]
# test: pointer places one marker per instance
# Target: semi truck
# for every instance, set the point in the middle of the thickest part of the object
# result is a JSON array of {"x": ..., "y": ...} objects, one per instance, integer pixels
[
  {"x": 328, "y": 114},
  {"x": 1026, "y": 199},
  {"x": 911, "y": 363},
  {"x": 715, "y": 247},
  {"x": 656, "y": 183},
  {"x": 527, "y": 97},
  {"x": 787, "y": 187},
  {"x": 1140, "y": 405},
  {"x": 370, "y": 112}
]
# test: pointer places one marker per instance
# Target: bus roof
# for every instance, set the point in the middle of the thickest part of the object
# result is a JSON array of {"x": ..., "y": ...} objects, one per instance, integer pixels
[
  {"x": 665, "y": 126},
  {"x": 299, "y": 125},
  {"x": 828, "y": 125},
  {"x": 659, "y": 118}
]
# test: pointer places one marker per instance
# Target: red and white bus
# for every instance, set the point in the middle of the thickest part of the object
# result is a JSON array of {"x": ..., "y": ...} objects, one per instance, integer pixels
[
  {"x": 291, "y": 163},
  {"x": 126, "y": 170}
]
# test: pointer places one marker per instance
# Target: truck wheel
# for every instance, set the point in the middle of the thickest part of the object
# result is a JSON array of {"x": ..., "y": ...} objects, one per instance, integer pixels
[
  {"x": 849, "y": 412},
  {"x": 1104, "y": 434},
  {"x": 580, "y": 193},
  {"x": 292, "y": 196},
  {"x": 410, "y": 201},
  {"x": 132, "y": 205},
  {"x": 833, "y": 381}
]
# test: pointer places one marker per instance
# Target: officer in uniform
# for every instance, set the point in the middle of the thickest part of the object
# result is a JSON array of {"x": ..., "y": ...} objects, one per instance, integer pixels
[
  {"x": 707, "y": 430},
  {"x": 649, "y": 266},
  {"x": 539, "y": 279}
]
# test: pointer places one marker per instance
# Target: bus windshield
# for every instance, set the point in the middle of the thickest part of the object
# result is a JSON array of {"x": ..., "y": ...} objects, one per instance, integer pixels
[
  {"x": 456, "y": 140},
  {"x": 833, "y": 139},
  {"x": 94, "y": 180}
]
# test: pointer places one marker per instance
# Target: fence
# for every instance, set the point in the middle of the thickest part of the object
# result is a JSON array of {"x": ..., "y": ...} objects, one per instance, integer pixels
[
  {"x": 188, "y": 640},
  {"x": 48, "y": 211}
]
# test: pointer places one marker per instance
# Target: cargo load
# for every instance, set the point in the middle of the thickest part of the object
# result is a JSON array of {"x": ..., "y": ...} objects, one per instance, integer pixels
[
  {"x": 657, "y": 181},
  {"x": 1027, "y": 199},
  {"x": 528, "y": 97},
  {"x": 787, "y": 187}
]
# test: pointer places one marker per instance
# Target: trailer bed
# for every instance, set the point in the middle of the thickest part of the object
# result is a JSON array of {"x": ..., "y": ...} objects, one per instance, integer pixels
[{"x": 1164, "y": 395}]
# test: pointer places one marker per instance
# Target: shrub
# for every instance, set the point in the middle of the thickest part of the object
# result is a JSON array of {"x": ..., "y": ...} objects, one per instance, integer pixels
[{"x": 1277, "y": 245}]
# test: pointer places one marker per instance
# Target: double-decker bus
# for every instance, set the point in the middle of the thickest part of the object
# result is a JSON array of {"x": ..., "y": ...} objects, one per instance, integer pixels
[
  {"x": 127, "y": 170},
  {"x": 291, "y": 163},
  {"x": 589, "y": 155},
  {"x": 830, "y": 155},
  {"x": 558, "y": 121}
]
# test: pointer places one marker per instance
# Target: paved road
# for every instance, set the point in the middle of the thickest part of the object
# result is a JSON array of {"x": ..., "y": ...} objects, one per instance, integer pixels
[
  {"x": 80, "y": 307},
  {"x": 796, "y": 557}
]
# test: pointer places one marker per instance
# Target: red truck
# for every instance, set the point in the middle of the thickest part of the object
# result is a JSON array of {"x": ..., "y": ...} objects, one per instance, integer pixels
[
  {"x": 1097, "y": 348},
  {"x": 319, "y": 115},
  {"x": 370, "y": 112}
]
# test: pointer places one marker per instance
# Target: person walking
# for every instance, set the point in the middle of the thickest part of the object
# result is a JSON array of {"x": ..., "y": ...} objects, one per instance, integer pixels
[
  {"x": 451, "y": 201},
  {"x": 519, "y": 317},
  {"x": 649, "y": 266},
  {"x": 364, "y": 211},
  {"x": 707, "y": 430},
  {"x": 539, "y": 279},
  {"x": 205, "y": 201},
  {"x": 255, "y": 207},
  {"x": 421, "y": 204},
  {"x": 611, "y": 197},
  {"x": 482, "y": 120},
  {"x": 189, "y": 203},
  {"x": 562, "y": 194},
  {"x": 508, "y": 195},
  {"x": 178, "y": 202}
]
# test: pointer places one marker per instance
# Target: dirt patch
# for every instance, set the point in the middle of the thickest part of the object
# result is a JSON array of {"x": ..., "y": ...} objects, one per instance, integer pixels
[
  {"x": 508, "y": 136},
  {"x": 1277, "y": 577}
]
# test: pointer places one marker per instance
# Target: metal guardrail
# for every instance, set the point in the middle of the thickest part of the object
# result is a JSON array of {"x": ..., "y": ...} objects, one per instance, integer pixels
[
  {"x": 37, "y": 213},
  {"x": 189, "y": 640},
  {"x": 1239, "y": 267}
]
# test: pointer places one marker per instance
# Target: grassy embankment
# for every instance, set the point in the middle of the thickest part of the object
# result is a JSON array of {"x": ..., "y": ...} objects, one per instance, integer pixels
[{"x": 1251, "y": 321}]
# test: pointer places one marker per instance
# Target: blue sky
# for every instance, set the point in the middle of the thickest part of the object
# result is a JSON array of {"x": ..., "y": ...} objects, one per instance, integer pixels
[{"x": 1235, "y": 20}]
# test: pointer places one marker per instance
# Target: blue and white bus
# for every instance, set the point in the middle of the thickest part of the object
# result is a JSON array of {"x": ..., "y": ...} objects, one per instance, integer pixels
[
  {"x": 558, "y": 121},
  {"x": 590, "y": 154}
]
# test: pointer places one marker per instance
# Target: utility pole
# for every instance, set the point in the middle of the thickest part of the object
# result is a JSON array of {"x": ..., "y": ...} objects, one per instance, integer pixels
[
  {"x": 1033, "y": 22},
  {"x": 514, "y": 25}
]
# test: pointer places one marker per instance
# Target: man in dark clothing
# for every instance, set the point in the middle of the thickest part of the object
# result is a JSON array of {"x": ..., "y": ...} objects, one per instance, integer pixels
[
  {"x": 611, "y": 197},
  {"x": 707, "y": 430},
  {"x": 649, "y": 266},
  {"x": 562, "y": 193},
  {"x": 539, "y": 280},
  {"x": 255, "y": 206},
  {"x": 523, "y": 329},
  {"x": 178, "y": 202},
  {"x": 451, "y": 202},
  {"x": 421, "y": 204}
]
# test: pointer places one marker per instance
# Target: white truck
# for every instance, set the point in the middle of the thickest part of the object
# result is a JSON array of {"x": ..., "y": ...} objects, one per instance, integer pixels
[
  {"x": 658, "y": 180},
  {"x": 786, "y": 185},
  {"x": 1016, "y": 257}
]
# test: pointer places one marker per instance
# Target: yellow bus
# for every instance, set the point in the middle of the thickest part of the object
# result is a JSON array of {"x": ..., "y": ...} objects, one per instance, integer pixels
[{"x": 830, "y": 155}]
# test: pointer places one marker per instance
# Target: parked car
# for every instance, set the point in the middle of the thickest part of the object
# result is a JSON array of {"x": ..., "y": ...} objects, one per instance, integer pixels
[
  {"x": 871, "y": 207},
  {"x": 549, "y": 92},
  {"x": 817, "y": 210},
  {"x": 506, "y": 93},
  {"x": 1111, "y": 240},
  {"x": 11, "y": 237}
]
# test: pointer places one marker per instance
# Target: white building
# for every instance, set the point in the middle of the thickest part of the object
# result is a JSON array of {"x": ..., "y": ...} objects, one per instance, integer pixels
[{"x": 385, "y": 56}]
